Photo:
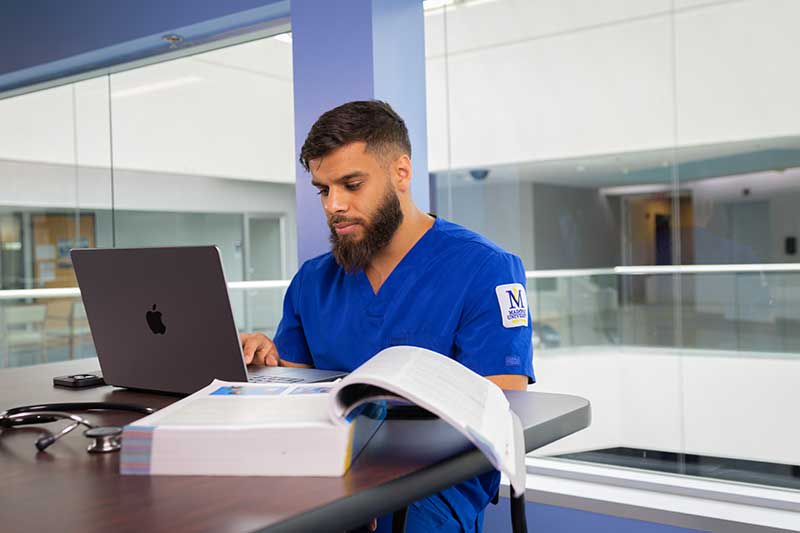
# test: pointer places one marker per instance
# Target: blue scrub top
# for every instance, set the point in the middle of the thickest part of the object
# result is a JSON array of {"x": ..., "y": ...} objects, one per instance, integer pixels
[{"x": 454, "y": 292}]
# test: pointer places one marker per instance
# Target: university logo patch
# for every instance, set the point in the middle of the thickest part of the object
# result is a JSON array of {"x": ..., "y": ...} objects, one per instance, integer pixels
[{"x": 513, "y": 304}]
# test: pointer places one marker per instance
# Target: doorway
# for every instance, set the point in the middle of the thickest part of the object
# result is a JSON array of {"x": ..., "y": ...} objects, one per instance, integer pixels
[{"x": 648, "y": 230}]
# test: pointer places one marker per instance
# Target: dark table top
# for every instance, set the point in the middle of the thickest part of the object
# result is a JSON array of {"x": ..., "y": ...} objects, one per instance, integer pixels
[{"x": 67, "y": 489}]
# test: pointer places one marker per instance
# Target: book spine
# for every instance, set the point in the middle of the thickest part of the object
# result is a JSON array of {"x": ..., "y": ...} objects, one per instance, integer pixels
[{"x": 137, "y": 447}]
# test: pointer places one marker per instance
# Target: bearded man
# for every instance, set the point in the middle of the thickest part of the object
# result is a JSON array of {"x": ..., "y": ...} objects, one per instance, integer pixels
[{"x": 398, "y": 276}]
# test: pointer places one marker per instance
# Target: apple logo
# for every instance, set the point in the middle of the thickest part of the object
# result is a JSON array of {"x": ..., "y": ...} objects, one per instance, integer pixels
[{"x": 154, "y": 321}]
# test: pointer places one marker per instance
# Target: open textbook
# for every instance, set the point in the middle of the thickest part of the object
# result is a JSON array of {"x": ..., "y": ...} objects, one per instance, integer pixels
[{"x": 318, "y": 429}]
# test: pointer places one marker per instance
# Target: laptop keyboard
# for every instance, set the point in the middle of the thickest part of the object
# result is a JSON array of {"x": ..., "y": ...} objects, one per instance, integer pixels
[{"x": 273, "y": 379}]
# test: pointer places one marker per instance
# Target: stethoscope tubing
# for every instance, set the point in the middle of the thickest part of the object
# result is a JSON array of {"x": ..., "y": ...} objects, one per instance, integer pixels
[
  {"x": 24, "y": 417},
  {"x": 51, "y": 412}
]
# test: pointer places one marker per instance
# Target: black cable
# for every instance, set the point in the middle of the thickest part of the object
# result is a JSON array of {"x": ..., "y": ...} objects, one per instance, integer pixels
[{"x": 518, "y": 521}]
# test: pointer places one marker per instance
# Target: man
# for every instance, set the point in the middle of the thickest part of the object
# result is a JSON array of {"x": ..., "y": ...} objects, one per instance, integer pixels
[{"x": 398, "y": 276}]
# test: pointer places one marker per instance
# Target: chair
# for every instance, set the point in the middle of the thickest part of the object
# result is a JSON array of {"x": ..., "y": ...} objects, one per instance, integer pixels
[{"x": 25, "y": 328}]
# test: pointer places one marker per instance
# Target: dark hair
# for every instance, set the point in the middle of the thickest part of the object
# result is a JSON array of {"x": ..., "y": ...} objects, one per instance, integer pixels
[{"x": 371, "y": 121}]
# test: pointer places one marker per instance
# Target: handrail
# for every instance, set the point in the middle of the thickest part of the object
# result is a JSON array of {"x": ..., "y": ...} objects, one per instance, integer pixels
[
  {"x": 708, "y": 269},
  {"x": 664, "y": 269},
  {"x": 16, "y": 294},
  {"x": 263, "y": 284},
  {"x": 73, "y": 292},
  {"x": 568, "y": 273}
]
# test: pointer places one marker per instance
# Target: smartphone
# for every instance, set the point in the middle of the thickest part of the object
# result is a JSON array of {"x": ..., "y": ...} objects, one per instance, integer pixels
[{"x": 79, "y": 381}]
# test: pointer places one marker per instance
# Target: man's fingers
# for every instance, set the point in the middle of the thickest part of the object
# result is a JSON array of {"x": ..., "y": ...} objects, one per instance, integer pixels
[
  {"x": 249, "y": 346},
  {"x": 267, "y": 354},
  {"x": 258, "y": 349},
  {"x": 272, "y": 358},
  {"x": 373, "y": 525}
]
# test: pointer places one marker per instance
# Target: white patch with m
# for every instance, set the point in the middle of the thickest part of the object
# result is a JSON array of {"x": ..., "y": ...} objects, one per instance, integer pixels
[{"x": 513, "y": 305}]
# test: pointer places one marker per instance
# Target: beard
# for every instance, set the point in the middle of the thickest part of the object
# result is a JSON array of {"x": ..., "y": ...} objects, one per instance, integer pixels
[{"x": 353, "y": 255}]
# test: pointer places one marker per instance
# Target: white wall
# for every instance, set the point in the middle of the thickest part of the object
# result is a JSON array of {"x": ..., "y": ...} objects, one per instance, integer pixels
[
  {"x": 726, "y": 404},
  {"x": 226, "y": 113},
  {"x": 592, "y": 374},
  {"x": 740, "y": 406},
  {"x": 555, "y": 79},
  {"x": 735, "y": 78},
  {"x": 66, "y": 125}
]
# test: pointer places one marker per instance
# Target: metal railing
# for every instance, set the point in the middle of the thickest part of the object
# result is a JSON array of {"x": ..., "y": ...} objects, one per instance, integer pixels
[{"x": 72, "y": 292}]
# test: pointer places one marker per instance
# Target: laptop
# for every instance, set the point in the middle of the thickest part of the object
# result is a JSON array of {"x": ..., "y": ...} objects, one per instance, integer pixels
[{"x": 161, "y": 320}]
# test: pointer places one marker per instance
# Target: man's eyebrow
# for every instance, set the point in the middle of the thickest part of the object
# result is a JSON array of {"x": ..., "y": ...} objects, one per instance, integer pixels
[{"x": 341, "y": 179}]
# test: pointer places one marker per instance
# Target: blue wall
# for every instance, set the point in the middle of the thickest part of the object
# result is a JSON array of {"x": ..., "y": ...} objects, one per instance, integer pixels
[{"x": 356, "y": 50}]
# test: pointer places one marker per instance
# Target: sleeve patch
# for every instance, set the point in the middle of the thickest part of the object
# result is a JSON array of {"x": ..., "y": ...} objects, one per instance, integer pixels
[{"x": 513, "y": 305}]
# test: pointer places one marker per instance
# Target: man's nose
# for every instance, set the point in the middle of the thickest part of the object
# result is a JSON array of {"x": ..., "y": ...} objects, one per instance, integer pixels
[{"x": 335, "y": 202}]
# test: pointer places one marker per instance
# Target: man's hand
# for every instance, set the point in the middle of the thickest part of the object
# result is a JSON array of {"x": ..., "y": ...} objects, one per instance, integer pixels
[{"x": 258, "y": 349}]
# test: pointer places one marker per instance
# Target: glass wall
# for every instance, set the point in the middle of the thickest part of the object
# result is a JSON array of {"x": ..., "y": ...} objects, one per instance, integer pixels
[
  {"x": 203, "y": 154},
  {"x": 192, "y": 151},
  {"x": 55, "y": 176},
  {"x": 643, "y": 159}
]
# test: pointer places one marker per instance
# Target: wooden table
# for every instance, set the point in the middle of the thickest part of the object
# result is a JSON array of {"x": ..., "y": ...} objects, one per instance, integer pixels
[{"x": 66, "y": 489}]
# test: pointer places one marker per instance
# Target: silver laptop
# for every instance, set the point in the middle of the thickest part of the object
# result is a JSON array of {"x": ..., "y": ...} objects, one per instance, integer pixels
[{"x": 161, "y": 320}]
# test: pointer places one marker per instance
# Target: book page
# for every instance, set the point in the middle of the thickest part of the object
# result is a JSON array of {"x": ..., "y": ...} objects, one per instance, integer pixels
[
  {"x": 469, "y": 402},
  {"x": 225, "y": 404}
]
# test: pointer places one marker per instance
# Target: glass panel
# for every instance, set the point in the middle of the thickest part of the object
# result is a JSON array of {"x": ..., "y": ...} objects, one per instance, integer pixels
[
  {"x": 739, "y": 138},
  {"x": 203, "y": 154},
  {"x": 265, "y": 307},
  {"x": 55, "y": 175},
  {"x": 558, "y": 146},
  {"x": 613, "y": 148}
]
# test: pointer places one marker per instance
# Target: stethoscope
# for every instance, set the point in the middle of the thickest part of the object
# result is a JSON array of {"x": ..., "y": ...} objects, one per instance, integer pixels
[{"x": 103, "y": 438}]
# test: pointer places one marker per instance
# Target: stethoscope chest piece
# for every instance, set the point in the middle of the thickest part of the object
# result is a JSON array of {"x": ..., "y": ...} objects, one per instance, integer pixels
[{"x": 104, "y": 439}]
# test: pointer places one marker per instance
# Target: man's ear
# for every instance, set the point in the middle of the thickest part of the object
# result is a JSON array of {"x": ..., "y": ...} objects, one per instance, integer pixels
[{"x": 402, "y": 173}]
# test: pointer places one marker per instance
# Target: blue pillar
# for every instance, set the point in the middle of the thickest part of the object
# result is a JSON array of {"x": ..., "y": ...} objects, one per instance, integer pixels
[{"x": 347, "y": 50}]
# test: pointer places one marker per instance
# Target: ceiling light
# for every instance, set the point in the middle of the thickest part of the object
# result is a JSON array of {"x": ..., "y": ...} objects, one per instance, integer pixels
[
  {"x": 153, "y": 87},
  {"x": 634, "y": 189}
]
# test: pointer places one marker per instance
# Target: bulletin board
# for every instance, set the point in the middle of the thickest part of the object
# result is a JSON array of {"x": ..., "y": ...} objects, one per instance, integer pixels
[{"x": 53, "y": 237}]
